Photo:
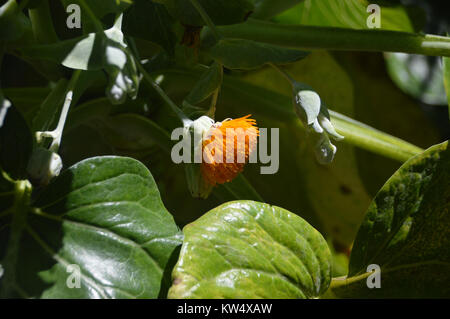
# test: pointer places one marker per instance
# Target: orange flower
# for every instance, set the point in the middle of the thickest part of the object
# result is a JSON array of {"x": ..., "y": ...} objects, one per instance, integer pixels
[{"x": 227, "y": 147}]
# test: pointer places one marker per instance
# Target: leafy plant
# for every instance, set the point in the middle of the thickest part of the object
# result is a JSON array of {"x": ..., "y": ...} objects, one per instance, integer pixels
[{"x": 93, "y": 204}]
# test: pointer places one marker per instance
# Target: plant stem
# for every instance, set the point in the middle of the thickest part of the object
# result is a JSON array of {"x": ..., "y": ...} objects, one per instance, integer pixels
[
  {"x": 326, "y": 38},
  {"x": 340, "y": 282},
  {"x": 283, "y": 73},
  {"x": 373, "y": 140},
  {"x": 206, "y": 19},
  {"x": 183, "y": 118},
  {"x": 97, "y": 24},
  {"x": 212, "y": 109},
  {"x": 41, "y": 21},
  {"x": 20, "y": 210},
  {"x": 57, "y": 133}
]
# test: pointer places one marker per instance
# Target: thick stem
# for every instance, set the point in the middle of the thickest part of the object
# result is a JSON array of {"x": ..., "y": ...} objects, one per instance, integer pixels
[
  {"x": 326, "y": 38},
  {"x": 97, "y": 24}
]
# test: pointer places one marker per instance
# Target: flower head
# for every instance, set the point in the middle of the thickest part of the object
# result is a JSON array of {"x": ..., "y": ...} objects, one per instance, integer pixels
[{"x": 226, "y": 148}]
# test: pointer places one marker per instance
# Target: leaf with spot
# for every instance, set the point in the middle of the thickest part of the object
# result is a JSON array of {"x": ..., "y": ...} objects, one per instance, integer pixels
[
  {"x": 406, "y": 232},
  {"x": 247, "y": 249}
]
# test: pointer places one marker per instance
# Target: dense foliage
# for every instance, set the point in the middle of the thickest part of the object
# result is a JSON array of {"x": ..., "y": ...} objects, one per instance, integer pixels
[{"x": 88, "y": 186}]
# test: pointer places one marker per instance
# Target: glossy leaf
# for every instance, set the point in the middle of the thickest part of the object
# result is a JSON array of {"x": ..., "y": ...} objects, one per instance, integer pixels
[
  {"x": 105, "y": 216},
  {"x": 247, "y": 249},
  {"x": 406, "y": 232}
]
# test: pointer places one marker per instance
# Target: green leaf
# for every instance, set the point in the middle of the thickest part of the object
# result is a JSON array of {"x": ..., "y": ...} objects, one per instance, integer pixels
[
  {"x": 16, "y": 141},
  {"x": 247, "y": 249},
  {"x": 247, "y": 54},
  {"x": 266, "y": 9},
  {"x": 352, "y": 14},
  {"x": 127, "y": 132},
  {"x": 50, "y": 107},
  {"x": 406, "y": 232},
  {"x": 13, "y": 23},
  {"x": 221, "y": 12},
  {"x": 105, "y": 215},
  {"x": 210, "y": 81},
  {"x": 150, "y": 21}
]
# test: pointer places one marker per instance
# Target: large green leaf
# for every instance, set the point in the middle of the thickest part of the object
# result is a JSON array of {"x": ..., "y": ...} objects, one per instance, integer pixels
[
  {"x": 247, "y": 249},
  {"x": 220, "y": 11},
  {"x": 104, "y": 215},
  {"x": 407, "y": 232},
  {"x": 247, "y": 54}
]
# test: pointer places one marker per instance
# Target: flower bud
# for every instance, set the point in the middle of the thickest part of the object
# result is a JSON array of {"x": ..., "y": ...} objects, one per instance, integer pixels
[
  {"x": 314, "y": 115},
  {"x": 43, "y": 166}
]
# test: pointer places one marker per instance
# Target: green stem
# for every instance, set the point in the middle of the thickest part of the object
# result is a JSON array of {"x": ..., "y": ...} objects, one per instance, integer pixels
[
  {"x": 283, "y": 73},
  {"x": 57, "y": 133},
  {"x": 373, "y": 140},
  {"x": 20, "y": 210},
  {"x": 97, "y": 24},
  {"x": 327, "y": 38},
  {"x": 206, "y": 19},
  {"x": 212, "y": 109},
  {"x": 183, "y": 118}
]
